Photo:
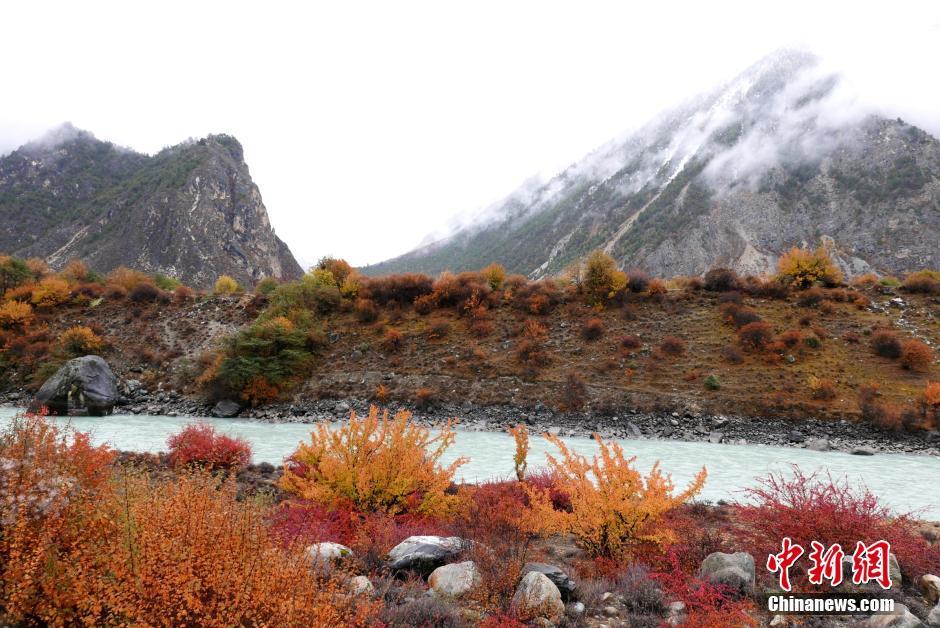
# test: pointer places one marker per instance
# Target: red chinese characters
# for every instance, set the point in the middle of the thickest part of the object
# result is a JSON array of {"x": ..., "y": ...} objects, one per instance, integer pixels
[
  {"x": 789, "y": 554},
  {"x": 870, "y": 562},
  {"x": 827, "y": 563}
]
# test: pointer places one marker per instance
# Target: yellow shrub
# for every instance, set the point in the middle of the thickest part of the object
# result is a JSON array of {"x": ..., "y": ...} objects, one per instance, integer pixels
[
  {"x": 50, "y": 292},
  {"x": 126, "y": 278},
  {"x": 226, "y": 285},
  {"x": 495, "y": 275},
  {"x": 614, "y": 508},
  {"x": 377, "y": 464},
  {"x": 80, "y": 341},
  {"x": 320, "y": 277},
  {"x": 802, "y": 268},
  {"x": 521, "y": 435},
  {"x": 15, "y": 314},
  {"x": 601, "y": 278}
]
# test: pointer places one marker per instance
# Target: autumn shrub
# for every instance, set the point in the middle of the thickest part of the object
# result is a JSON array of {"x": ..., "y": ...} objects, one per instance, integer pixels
[
  {"x": 738, "y": 315},
  {"x": 592, "y": 329},
  {"x": 366, "y": 311},
  {"x": 916, "y": 355},
  {"x": 425, "y": 304},
  {"x": 886, "y": 343},
  {"x": 144, "y": 292},
  {"x": 802, "y": 268},
  {"x": 573, "y": 393},
  {"x": 791, "y": 338},
  {"x": 811, "y": 297},
  {"x": 520, "y": 435},
  {"x": 424, "y": 398},
  {"x": 601, "y": 279},
  {"x": 852, "y": 337},
  {"x": 536, "y": 297},
  {"x": 455, "y": 290},
  {"x": 495, "y": 275},
  {"x": 78, "y": 341},
  {"x": 923, "y": 282},
  {"x": 755, "y": 336},
  {"x": 376, "y": 463},
  {"x": 126, "y": 278},
  {"x": 199, "y": 444},
  {"x": 721, "y": 280},
  {"x": 183, "y": 294},
  {"x": 403, "y": 289},
  {"x": 190, "y": 549},
  {"x": 731, "y": 354},
  {"x": 15, "y": 314},
  {"x": 638, "y": 281},
  {"x": 707, "y": 605},
  {"x": 821, "y": 389},
  {"x": 615, "y": 509},
  {"x": 50, "y": 292},
  {"x": 392, "y": 340},
  {"x": 291, "y": 298},
  {"x": 259, "y": 390},
  {"x": 765, "y": 287},
  {"x": 818, "y": 507},
  {"x": 672, "y": 346},
  {"x": 438, "y": 330},
  {"x": 929, "y": 405},
  {"x": 226, "y": 285},
  {"x": 51, "y": 482},
  {"x": 630, "y": 343}
]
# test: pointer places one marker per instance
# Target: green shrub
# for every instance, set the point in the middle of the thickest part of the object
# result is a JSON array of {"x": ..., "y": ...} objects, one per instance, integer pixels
[{"x": 712, "y": 383}]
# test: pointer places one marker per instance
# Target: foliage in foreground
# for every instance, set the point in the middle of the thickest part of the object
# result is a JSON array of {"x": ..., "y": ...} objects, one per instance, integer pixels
[
  {"x": 614, "y": 508},
  {"x": 78, "y": 546},
  {"x": 376, "y": 463}
]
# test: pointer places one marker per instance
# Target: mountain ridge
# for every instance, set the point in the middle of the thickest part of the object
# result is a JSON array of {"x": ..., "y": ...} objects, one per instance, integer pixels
[
  {"x": 190, "y": 211},
  {"x": 779, "y": 156}
]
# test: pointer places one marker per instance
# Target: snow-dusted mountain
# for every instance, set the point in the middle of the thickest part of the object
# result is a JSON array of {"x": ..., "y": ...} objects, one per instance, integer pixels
[{"x": 782, "y": 155}]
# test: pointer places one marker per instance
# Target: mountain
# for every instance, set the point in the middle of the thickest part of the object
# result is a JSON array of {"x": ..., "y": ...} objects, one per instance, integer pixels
[
  {"x": 780, "y": 156},
  {"x": 190, "y": 211}
]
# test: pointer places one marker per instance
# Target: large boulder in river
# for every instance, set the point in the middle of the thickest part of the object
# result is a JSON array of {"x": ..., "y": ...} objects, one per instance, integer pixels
[
  {"x": 735, "y": 571},
  {"x": 85, "y": 383},
  {"x": 424, "y": 554},
  {"x": 226, "y": 409}
]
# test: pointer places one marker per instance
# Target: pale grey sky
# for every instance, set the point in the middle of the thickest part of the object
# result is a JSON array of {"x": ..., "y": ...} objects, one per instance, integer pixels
[{"x": 369, "y": 124}]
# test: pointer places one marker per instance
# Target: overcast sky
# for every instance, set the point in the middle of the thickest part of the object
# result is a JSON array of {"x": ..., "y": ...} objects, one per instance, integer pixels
[{"x": 368, "y": 125}]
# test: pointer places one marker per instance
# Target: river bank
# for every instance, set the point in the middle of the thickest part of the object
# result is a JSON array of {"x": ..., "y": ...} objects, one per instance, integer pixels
[{"x": 808, "y": 433}]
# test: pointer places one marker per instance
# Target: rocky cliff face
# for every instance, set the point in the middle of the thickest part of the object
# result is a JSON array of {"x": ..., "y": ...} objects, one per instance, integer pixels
[
  {"x": 190, "y": 212},
  {"x": 781, "y": 156}
]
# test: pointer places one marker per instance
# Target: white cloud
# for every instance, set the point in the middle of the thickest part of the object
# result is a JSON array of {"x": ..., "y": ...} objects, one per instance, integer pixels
[{"x": 366, "y": 125}]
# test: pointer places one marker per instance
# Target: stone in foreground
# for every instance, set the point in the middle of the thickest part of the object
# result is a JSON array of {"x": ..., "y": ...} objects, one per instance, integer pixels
[
  {"x": 455, "y": 579},
  {"x": 565, "y": 584},
  {"x": 424, "y": 554},
  {"x": 900, "y": 618},
  {"x": 82, "y": 384},
  {"x": 735, "y": 571},
  {"x": 537, "y": 596},
  {"x": 324, "y": 556}
]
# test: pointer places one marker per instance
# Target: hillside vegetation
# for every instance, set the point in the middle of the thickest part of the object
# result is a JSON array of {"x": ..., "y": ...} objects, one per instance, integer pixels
[{"x": 801, "y": 343}]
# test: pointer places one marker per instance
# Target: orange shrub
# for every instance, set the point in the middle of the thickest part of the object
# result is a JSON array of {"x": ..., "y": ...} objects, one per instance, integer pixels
[
  {"x": 755, "y": 336},
  {"x": 376, "y": 464},
  {"x": 366, "y": 310},
  {"x": 15, "y": 314},
  {"x": 381, "y": 393},
  {"x": 79, "y": 341},
  {"x": 886, "y": 343},
  {"x": 520, "y": 434},
  {"x": 259, "y": 391},
  {"x": 916, "y": 355},
  {"x": 50, "y": 292},
  {"x": 424, "y": 398},
  {"x": 392, "y": 340},
  {"x": 495, "y": 275},
  {"x": 75, "y": 271},
  {"x": 199, "y": 444},
  {"x": 192, "y": 551},
  {"x": 182, "y": 294},
  {"x": 672, "y": 346},
  {"x": 614, "y": 508},
  {"x": 923, "y": 281},
  {"x": 822, "y": 389},
  {"x": 593, "y": 329},
  {"x": 802, "y": 268},
  {"x": 126, "y": 278},
  {"x": 656, "y": 287}
]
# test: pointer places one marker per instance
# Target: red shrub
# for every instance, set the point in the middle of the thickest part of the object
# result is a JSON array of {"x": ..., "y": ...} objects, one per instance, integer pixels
[
  {"x": 392, "y": 340},
  {"x": 593, "y": 329},
  {"x": 708, "y": 605},
  {"x": 886, "y": 344},
  {"x": 852, "y": 337},
  {"x": 672, "y": 346},
  {"x": 630, "y": 343},
  {"x": 816, "y": 507},
  {"x": 791, "y": 338},
  {"x": 366, "y": 310},
  {"x": 424, "y": 398},
  {"x": 755, "y": 336},
  {"x": 403, "y": 289},
  {"x": 916, "y": 355},
  {"x": 200, "y": 444}
]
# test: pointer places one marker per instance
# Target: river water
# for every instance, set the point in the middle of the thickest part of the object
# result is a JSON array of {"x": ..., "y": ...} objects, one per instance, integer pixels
[{"x": 903, "y": 482}]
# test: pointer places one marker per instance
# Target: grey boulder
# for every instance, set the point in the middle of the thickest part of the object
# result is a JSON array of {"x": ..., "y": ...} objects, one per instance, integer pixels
[
  {"x": 734, "y": 571},
  {"x": 561, "y": 580},
  {"x": 226, "y": 409},
  {"x": 424, "y": 554},
  {"x": 901, "y": 617},
  {"x": 81, "y": 384}
]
